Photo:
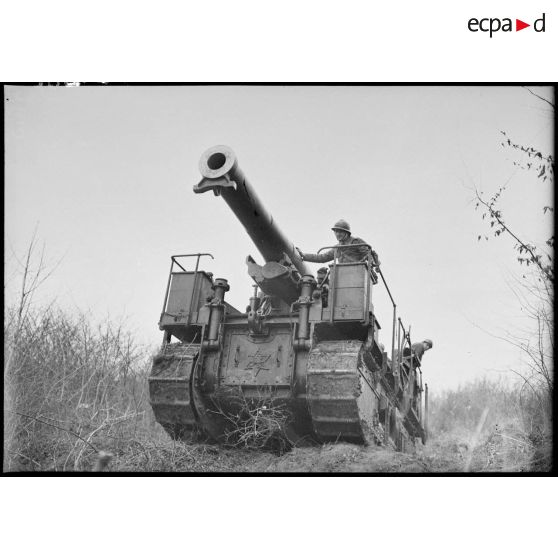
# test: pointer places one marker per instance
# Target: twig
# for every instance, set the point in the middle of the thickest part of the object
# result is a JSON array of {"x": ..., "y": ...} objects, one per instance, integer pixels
[
  {"x": 105, "y": 423},
  {"x": 25, "y": 457},
  {"x": 515, "y": 440},
  {"x": 58, "y": 427},
  {"x": 541, "y": 98}
]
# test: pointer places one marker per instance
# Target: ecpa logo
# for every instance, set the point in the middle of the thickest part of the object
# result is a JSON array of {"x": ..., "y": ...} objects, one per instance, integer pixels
[{"x": 494, "y": 24}]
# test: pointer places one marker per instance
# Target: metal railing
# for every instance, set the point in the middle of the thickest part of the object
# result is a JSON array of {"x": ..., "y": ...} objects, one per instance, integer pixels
[{"x": 403, "y": 337}]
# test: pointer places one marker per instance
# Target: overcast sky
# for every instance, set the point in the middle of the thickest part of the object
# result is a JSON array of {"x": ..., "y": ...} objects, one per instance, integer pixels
[{"x": 106, "y": 176}]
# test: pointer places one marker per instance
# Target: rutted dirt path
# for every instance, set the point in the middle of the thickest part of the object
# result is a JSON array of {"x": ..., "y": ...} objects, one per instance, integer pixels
[{"x": 444, "y": 454}]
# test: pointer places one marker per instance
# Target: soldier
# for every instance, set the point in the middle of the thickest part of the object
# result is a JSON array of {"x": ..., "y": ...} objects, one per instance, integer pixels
[
  {"x": 321, "y": 276},
  {"x": 342, "y": 232},
  {"x": 323, "y": 284},
  {"x": 418, "y": 349}
]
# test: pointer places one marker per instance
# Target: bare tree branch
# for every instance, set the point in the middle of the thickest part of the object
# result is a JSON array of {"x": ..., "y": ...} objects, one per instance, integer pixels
[{"x": 539, "y": 97}]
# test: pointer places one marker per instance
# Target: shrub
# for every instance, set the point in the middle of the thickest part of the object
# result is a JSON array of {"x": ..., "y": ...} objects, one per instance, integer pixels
[{"x": 69, "y": 388}]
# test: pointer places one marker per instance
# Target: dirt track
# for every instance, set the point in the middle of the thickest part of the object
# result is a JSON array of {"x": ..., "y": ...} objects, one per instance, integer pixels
[{"x": 444, "y": 454}]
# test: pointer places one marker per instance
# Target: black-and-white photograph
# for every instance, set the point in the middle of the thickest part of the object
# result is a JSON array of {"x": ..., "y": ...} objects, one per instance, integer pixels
[{"x": 270, "y": 279}]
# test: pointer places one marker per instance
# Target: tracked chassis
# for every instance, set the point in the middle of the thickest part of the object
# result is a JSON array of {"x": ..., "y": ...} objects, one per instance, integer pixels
[{"x": 341, "y": 399}]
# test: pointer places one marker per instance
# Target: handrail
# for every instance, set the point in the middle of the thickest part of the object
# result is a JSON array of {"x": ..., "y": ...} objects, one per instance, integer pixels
[
  {"x": 194, "y": 254},
  {"x": 199, "y": 255},
  {"x": 344, "y": 246},
  {"x": 405, "y": 334},
  {"x": 386, "y": 285},
  {"x": 397, "y": 323}
]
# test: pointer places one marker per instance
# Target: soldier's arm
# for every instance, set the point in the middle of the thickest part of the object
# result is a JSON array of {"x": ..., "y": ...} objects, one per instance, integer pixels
[{"x": 318, "y": 258}]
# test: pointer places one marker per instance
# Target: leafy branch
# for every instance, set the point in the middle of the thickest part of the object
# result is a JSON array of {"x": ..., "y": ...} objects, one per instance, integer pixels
[
  {"x": 542, "y": 164},
  {"x": 528, "y": 253}
]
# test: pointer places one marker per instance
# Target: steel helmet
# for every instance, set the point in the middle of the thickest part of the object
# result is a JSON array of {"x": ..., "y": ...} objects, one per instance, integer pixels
[
  {"x": 341, "y": 225},
  {"x": 429, "y": 341}
]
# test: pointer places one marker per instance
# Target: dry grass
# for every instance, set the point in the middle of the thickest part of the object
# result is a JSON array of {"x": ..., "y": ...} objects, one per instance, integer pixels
[
  {"x": 516, "y": 434},
  {"x": 69, "y": 386}
]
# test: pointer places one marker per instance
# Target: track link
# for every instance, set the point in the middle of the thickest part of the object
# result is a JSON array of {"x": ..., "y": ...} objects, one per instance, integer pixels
[
  {"x": 169, "y": 389},
  {"x": 342, "y": 403}
]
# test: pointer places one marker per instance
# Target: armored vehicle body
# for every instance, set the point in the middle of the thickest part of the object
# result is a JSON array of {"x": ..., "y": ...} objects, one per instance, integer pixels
[{"x": 310, "y": 348}]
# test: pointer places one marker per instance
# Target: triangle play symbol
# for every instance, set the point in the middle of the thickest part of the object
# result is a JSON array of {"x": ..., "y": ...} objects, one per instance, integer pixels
[{"x": 519, "y": 25}]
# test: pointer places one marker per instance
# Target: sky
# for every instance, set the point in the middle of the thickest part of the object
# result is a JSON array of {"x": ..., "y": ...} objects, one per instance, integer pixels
[{"x": 105, "y": 175}]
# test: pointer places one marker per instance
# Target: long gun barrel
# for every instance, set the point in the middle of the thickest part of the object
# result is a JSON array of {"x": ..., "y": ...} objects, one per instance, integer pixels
[{"x": 221, "y": 173}]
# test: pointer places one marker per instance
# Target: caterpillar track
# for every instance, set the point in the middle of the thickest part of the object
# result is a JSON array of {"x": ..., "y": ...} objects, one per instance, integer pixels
[
  {"x": 341, "y": 398},
  {"x": 170, "y": 389}
]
